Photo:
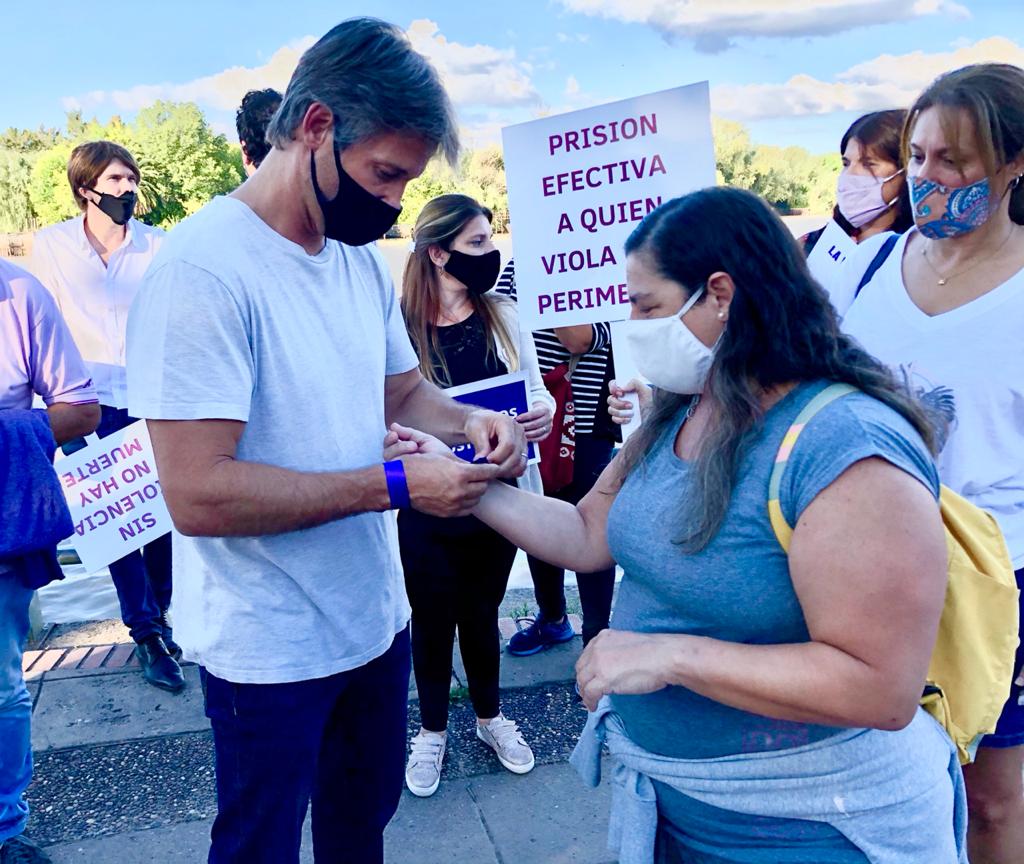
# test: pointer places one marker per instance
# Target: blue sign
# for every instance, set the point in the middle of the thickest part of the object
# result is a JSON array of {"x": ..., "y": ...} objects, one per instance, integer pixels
[{"x": 506, "y": 394}]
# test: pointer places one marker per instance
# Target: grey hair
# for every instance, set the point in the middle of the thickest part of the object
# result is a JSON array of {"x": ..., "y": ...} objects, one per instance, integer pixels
[{"x": 366, "y": 71}]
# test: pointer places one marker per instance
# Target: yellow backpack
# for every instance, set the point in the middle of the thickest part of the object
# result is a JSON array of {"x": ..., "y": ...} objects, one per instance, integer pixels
[{"x": 972, "y": 665}]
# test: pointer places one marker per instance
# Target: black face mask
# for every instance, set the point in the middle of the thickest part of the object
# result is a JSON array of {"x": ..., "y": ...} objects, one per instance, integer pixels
[
  {"x": 118, "y": 207},
  {"x": 354, "y": 216},
  {"x": 477, "y": 272}
]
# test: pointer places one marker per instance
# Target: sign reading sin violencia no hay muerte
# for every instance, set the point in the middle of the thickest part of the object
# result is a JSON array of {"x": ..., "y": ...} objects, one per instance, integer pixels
[
  {"x": 113, "y": 492},
  {"x": 579, "y": 183}
]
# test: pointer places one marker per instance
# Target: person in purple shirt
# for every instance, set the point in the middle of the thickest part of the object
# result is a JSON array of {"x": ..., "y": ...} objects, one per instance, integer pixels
[{"x": 38, "y": 357}]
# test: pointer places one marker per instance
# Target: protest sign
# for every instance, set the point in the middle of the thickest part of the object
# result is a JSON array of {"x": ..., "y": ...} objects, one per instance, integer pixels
[
  {"x": 579, "y": 183},
  {"x": 507, "y": 394},
  {"x": 828, "y": 257},
  {"x": 113, "y": 492}
]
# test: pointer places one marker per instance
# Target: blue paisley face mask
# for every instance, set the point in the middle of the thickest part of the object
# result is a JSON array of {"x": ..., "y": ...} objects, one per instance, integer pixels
[{"x": 949, "y": 211}]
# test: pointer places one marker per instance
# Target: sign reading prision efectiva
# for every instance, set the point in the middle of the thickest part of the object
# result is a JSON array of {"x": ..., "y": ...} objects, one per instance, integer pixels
[{"x": 579, "y": 183}]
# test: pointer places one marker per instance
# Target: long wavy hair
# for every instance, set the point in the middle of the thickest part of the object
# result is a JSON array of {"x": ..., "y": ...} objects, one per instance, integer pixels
[
  {"x": 782, "y": 329},
  {"x": 440, "y": 222}
]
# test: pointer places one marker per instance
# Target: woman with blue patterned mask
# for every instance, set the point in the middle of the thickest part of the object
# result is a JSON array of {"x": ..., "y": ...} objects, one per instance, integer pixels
[{"x": 945, "y": 310}]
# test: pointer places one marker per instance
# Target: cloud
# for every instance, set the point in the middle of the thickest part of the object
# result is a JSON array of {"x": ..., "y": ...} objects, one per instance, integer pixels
[
  {"x": 474, "y": 75},
  {"x": 713, "y": 24},
  {"x": 572, "y": 86},
  {"x": 887, "y": 81},
  {"x": 222, "y": 91}
]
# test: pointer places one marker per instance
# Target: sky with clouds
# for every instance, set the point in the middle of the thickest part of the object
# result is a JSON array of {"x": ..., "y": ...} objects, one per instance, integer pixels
[{"x": 794, "y": 71}]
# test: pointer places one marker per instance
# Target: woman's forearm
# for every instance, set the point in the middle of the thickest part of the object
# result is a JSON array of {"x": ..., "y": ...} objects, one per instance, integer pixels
[
  {"x": 809, "y": 682},
  {"x": 546, "y": 528}
]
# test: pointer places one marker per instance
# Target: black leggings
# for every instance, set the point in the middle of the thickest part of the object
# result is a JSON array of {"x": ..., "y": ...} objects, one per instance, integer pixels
[
  {"x": 456, "y": 572},
  {"x": 593, "y": 454}
]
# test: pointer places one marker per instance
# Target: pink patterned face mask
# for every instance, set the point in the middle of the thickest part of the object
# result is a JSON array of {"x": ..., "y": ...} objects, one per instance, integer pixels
[
  {"x": 949, "y": 211},
  {"x": 859, "y": 197}
]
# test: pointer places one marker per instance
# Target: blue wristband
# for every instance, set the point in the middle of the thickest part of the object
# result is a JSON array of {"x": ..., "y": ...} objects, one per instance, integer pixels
[{"x": 398, "y": 489}]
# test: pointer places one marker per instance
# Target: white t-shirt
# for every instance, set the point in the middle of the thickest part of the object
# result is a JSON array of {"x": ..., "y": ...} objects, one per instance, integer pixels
[
  {"x": 967, "y": 363},
  {"x": 236, "y": 322},
  {"x": 94, "y": 297}
]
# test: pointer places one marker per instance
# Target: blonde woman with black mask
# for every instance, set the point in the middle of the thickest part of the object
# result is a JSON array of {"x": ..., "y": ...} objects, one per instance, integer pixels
[{"x": 456, "y": 570}]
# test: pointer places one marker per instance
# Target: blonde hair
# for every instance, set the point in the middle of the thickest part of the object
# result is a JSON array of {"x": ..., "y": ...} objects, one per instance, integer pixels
[{"x": 439, "y": 223}]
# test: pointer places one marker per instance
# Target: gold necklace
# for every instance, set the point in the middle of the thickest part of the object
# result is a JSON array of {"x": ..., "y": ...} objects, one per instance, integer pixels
[{"x": 942, "y": 280}]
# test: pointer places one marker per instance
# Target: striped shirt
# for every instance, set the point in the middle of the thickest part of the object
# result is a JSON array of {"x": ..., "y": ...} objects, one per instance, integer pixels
[{"x": 589, "y": 376}]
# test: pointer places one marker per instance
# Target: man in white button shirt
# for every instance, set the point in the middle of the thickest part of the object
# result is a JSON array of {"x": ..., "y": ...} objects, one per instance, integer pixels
[{"x": 93, "y": 265}]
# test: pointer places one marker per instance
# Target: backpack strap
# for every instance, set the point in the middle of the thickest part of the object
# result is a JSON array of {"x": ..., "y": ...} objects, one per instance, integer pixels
[
  {"x": 783, "y": 530},
  {"x": 877, "y": 262}
]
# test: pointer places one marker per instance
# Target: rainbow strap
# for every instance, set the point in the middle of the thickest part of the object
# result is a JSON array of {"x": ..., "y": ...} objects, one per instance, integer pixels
[{"x": 783, "y": 531}]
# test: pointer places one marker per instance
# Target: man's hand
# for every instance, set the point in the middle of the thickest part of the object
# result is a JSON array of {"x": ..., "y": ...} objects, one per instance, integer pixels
[
  {"x": 536, "y": 423},
  {"x": 446, "y": 485},
  {"x": 499, "y": 439}
]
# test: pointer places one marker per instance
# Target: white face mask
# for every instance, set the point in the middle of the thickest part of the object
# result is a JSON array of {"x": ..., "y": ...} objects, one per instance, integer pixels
[{"x": 668, "y": 354}]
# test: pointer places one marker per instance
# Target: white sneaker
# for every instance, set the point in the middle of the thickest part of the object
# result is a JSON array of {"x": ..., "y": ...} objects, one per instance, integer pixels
[
  {"x": 503, "y": 737},
  {"x": 423, "y": 770}
]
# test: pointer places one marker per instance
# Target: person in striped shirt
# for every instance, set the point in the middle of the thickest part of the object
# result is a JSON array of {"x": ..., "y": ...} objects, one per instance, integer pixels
[{"x": 596, "y": 437}]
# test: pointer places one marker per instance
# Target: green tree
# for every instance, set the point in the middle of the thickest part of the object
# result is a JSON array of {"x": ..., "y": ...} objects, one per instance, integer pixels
[
  {"x": 437, "y": 179},
  {"x": 48, "y": 188},
  {"x": 16, "y": 213},
  {"x": 482, "y": 176},
  {"x": 190, "y": 164},
  {"x": 734, "y": 153},
  {"x": 29, "y": 140}
]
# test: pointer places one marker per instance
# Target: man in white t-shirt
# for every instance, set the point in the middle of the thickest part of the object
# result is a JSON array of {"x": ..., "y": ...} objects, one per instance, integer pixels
[
  {"x": 93, "y": 265},
  {"x": 38, "y": 357},
  {"x": 268, "y": 352}
]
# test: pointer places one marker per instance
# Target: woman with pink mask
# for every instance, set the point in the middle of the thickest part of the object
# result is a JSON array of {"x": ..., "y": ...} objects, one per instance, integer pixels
[{"x": 871, "y": 195}]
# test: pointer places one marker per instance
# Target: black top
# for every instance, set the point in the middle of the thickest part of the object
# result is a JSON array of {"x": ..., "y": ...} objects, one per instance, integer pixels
[
  {"x": 593, "y": 369},
  {"x": 464, "y": 346}
]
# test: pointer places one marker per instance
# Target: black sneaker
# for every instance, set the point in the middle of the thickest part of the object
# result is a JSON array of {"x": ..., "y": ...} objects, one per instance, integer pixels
[
  {"x": 21, "y": 850},
  {"x": 539, "y": 635}
]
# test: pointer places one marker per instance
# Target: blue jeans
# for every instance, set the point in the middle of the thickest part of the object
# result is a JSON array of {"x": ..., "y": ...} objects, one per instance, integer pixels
[
  {"x": 143, "y": 578},
  {"x": 15, "y": 708},
  {"x": 339, "y": 741},
  {"x": 1010, "y": 728}
]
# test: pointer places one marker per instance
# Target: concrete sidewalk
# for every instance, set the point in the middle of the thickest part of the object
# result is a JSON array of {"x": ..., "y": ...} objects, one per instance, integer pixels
[
  {"x": 124, "y": 773},
  {"x": 546, "y": 816}
]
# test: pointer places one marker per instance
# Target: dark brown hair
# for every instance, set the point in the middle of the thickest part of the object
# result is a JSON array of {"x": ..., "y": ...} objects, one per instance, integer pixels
[
  {"x": 881, "y": 133},
  {"x": 88, "y": 161},
  {"x": 782, "y": 329}
]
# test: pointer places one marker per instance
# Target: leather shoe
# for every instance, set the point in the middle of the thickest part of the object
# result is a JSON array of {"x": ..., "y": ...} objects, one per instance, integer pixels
[
  {"x": 173, "y": 648},
  {"x": 158, "y": 667}
]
